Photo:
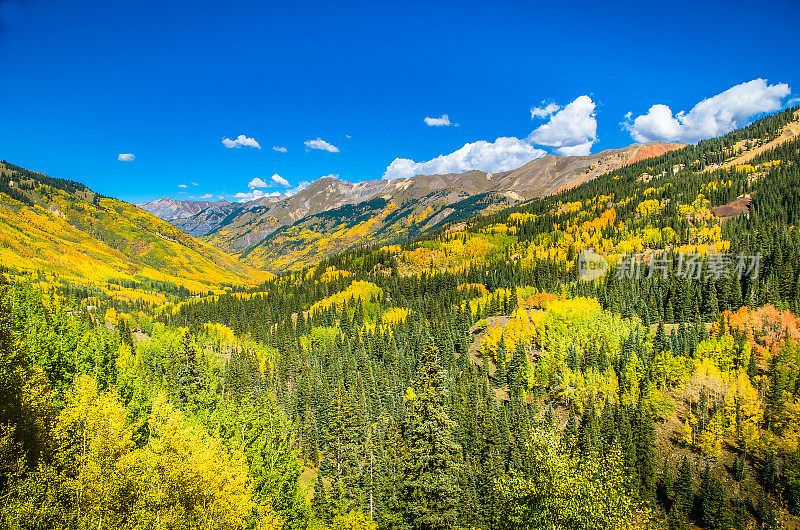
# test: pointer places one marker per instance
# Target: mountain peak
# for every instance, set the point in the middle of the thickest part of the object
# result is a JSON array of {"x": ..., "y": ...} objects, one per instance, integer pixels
[{"x": 168, "y": 208}]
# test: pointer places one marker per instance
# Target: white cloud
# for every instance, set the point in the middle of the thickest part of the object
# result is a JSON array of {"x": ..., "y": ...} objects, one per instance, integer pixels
[
  {"x": 544, "y": 112},
  {"x": 240, "y": 141},
  {"x": 501, "y": 155},
  {"x": 277, "y": 179},
  {"x": 256, "y": 193},
  {"x": 125, "y": 157},
  {"x": 300, "y": 187},
  {"x": 206, "y": 196},
  {"x": 571, "y": 131},
  {"x": 257, "y": 183},
  {"x": 184, "y": 186},
  {"x": 322, "y": 145},
  {"x": 711, "y": 117},
  {"x": 444, "y": 121},
  {"x": 195, "y": 184},
  {"x": 279, "y": 148}
]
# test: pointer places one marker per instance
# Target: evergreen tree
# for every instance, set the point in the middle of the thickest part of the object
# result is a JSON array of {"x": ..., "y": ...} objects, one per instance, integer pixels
[
  {"x": 684, "y": 489},
  {"x": 433, "y": 463},
  {"x": 644, "y": 437},
  {"x": 188, "y": 381},
  {"x": 715, "y": 507}
]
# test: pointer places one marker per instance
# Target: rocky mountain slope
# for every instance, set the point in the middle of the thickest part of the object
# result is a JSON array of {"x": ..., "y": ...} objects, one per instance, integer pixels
[
  {"x": 234, "y": 228},
  {"x": 331, "y": 215},
  {"x": 169, "y": 209}
]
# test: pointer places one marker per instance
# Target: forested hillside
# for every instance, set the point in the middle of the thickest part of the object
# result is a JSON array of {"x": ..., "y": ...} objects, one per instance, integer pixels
[
  {"x": 63, "y": 227},
  {"x": 623, "y": 354}
]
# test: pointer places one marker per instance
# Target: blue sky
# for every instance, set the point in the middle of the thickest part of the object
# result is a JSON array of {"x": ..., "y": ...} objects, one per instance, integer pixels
[{"x": 86, "y": 83}]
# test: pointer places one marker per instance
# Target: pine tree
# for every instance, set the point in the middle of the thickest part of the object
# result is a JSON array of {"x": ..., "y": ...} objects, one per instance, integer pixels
[
  {"x": 715, "y": 507},
  {"x": 665, "y": 482},
  {"x": 570, "y": 435},
  {"x": 752, "y": 368},
  {"x": 589, "y": 436},
  {"x": 341, "y": 456},
  {"x": 660, "y": 339},
  {"x": 740, "y": 469},
  {"x": 792, "y": 473},
  {"x": 775, "y": 401},
  {"x": 645, "y": 454},
  {"x": 603, "y": 362},
  {"x": 669, "y": 313},
  {"x": 684, "y": 489},
  {"x": 433, "y": 463},
  {"x": 188, "y": 381},
  {"x": 734, "y": 293},
  {"x": 125, "y": 332},
  {"x": 590, "y": 358},
  {"x": 573, "y": 360},
  {"x": 710, "y": 308}
]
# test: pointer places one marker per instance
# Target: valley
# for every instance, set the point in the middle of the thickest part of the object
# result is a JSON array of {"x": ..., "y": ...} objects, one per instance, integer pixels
[{"x": 432, "y": 334}]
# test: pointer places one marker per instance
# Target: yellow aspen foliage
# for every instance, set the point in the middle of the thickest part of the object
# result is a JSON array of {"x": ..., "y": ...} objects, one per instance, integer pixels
[
  {"x": 358, "y": 290},
  {"x": 310, "y": 272},
  {"x": 707, "y": 377},
  {"x": 657, "y": 402},
  {"x": 567, "y": 494},
  {"x": 332, "y": 274},
  {"x": 687, "y": 432},
  {"x": 790, "y": 433},
  {"x": 182, "y": 478},
  {"x": 394, "y": 315},
  {"x": 744, "y": 411},
  {"x": 578, "y": 387},
  {"x": 648, "y": 207},
  {"x": 193, "y": 481},
  {"x": 520, "y": 217},
  {"x": 668, "y": 370},
  {"x": 710, "y": 440},
  {"x": 353, "y": 520},
  {"x": 634, "y": 373},
  {"x": 720, "y": 350},
  {"x": 93, "y": 441},
  {"x": 222, "y": 337},
  {"x": 111, "y": 316}
]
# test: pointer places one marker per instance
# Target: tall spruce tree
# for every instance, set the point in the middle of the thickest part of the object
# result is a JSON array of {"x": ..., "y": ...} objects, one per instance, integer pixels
[{"x": 433, "y": 460}]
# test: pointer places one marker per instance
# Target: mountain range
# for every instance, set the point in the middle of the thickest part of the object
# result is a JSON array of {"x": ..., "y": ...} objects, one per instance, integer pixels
[
  {"x": 170, "y": 209},
  {"x": 331, "y": 215},
  {"x": 64, "y": 227}
]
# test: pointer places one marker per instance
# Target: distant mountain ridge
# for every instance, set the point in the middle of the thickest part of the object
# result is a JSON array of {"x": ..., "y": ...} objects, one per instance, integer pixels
[
  {"x": 168, "y": 208},
  {"x": 278, "y": 234}
]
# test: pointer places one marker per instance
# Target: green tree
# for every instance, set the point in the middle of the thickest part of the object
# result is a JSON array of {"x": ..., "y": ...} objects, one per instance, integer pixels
[{"x": 433, "y": 463}]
